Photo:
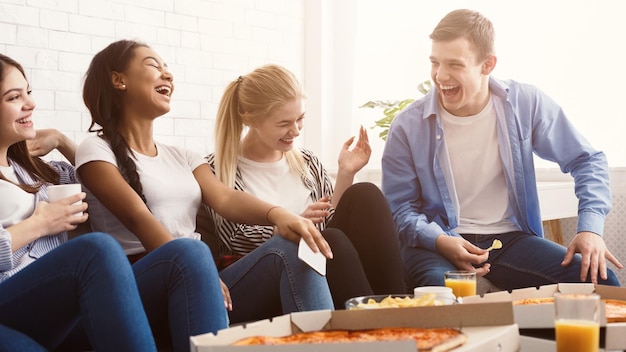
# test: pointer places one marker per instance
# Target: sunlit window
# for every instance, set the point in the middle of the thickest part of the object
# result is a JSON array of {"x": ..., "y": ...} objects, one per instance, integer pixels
[{"x": 572, "y": 50}]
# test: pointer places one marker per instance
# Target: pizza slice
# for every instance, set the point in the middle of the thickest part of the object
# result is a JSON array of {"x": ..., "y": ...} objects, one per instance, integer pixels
[
  {"x": 426, "y": 339},
  {"x": 536, "y": 300},
  {"x": 615, "y": 309}
]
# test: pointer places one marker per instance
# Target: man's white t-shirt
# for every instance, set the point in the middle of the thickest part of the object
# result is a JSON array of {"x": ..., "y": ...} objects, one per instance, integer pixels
[
  {"x": 172, "y": 193},
  {"x": 481, "y": 189}
]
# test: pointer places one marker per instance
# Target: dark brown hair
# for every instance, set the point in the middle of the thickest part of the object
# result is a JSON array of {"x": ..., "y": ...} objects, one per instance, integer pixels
[
  {"x": 18, "y": 152},
  {"x": 105, "y": 104}
]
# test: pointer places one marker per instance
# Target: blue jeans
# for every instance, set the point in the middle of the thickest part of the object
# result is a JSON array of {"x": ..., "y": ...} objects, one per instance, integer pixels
[
  {"x": 525, "y": 260},
  {"x": 271, "y": 281},
  {"x": 87, "y": 278},
  {"x": 12, "y": 340},
  {"x": 181, "y": 295}
]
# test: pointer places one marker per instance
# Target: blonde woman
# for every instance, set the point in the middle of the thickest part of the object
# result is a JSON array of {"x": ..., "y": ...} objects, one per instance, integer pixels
[{"x": 355, "y": 219}]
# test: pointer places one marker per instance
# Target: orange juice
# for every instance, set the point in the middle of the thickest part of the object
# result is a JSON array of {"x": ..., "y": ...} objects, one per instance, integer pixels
[
  {"x": 577, "y": 335},
  {"x": 462, "y": 287}
]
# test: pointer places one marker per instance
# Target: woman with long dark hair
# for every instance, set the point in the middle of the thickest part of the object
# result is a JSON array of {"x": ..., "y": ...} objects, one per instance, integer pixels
[{"x": 47, "y": 283}]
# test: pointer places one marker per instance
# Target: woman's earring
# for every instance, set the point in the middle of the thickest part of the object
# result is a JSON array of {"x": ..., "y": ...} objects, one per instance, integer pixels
[{"x": 123, "y": 86}]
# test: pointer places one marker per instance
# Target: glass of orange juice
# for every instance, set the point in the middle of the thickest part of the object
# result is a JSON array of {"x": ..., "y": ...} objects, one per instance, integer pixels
[
  {"x": 577, "y": 322},
  {"x": 462, "y": 283}
]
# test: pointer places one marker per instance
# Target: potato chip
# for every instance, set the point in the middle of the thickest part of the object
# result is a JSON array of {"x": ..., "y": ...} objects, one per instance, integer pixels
[{"x": 428, "y": 299}]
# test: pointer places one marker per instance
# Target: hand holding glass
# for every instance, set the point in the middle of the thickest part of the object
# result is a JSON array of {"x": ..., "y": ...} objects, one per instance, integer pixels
[{"x": 577, "y": 322}]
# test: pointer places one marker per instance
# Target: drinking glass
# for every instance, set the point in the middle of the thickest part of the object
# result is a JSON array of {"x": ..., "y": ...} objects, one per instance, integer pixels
[
  {"x": 577, "y": 322},
  {"x": 462, "y": 283}
]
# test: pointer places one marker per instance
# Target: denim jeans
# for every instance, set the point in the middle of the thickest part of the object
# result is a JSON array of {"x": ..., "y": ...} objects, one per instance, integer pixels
[
  {"x": 525, "y": 260},
  {"x": 181, "y": 293},
  {"x": 87, "y": 278},
  {"x": 13, "y": 340},
  {"x": 271, "y": 281}
]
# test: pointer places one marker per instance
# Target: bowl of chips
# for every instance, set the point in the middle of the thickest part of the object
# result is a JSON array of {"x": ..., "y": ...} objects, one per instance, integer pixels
[{"x": 397, "y": 301}]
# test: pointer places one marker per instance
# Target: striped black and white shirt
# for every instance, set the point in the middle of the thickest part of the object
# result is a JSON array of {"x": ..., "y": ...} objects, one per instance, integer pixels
[{"x": 241, "y": 239}]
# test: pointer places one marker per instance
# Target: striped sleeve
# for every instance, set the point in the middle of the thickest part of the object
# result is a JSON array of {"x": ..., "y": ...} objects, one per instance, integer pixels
[
  {"x": 67, "y": 172},
  {"x": 237, "y": 238},
  {"x": 320, "y": 183},
  {"x": 6, "y": 254},
  {"x": 241, "y": 238}
]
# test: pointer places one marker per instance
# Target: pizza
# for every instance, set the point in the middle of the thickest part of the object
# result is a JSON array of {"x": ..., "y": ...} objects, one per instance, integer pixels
[
  {"x": 615, "y": 309},
  {"x": 426, "y": 339},
  {"x": 537, "y": 300}
]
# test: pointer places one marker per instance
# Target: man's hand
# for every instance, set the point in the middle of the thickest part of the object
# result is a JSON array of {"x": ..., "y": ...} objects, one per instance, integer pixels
[
  {"x": 463, "y": 254},
  {"x": 594, "y": 254}
]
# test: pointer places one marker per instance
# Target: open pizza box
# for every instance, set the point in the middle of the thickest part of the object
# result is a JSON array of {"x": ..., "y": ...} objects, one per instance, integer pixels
[
  {"x": 535, "y": 344},
  {"x": 488, "y": 327},
  {"x": 541, "y": 316}
]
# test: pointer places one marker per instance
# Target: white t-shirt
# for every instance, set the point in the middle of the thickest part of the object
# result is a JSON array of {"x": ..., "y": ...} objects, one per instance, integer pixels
[
  {"x": 479, "y": 182},
  {"x": 172, "y": 193},
  {"x": 22, "y": 204},
  {"x": 275, "y": 183}
]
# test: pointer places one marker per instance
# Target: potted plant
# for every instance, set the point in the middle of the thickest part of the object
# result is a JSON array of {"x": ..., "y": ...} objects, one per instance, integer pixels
[{"x": 392, "y": 108}]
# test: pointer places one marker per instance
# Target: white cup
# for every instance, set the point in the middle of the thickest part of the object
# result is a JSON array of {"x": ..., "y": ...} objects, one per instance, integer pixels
[
  {"x": 57, "y": 192},
  {"x": 442, "y": 293}
]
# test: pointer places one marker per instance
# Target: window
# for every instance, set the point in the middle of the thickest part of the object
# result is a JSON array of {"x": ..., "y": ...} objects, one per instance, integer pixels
[{"x": 572, "y": 50}]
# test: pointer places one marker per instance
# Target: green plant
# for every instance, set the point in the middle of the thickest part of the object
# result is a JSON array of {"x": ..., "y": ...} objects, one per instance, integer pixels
[{"x": 391, "y": 108}]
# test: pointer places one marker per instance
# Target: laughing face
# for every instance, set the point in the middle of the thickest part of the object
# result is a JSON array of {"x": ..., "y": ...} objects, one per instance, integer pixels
[
  {"x": 16, "y": 108},
  {"x": 461, "y": 78},
  {"x": 147, "y": 82},
  {"x": 276, "y": 133}
]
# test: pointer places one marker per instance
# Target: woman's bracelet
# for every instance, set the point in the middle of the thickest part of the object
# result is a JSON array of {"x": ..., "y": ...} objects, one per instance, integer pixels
[{"x": 267, "y": 214}]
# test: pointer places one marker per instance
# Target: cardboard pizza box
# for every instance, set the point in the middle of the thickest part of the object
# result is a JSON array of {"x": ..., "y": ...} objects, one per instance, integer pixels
[
  {"x": 542, "y": 316},
  {"x": 533, "y": 316},
  {"x": 535, "y": 344},
  {"x": 489, "y": 327}
]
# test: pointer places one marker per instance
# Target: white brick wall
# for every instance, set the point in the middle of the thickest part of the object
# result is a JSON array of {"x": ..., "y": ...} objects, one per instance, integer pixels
[{"x": 206, "y": 43}]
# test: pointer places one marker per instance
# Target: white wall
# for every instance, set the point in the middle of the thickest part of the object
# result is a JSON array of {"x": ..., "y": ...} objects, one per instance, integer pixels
[
  {"x": 345, "y": 51},
  {"x": 205, "y": 43}
]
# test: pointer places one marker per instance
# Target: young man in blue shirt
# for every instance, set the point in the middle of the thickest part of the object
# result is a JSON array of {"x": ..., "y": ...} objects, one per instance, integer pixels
[{"x": 458, "y": 172}]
